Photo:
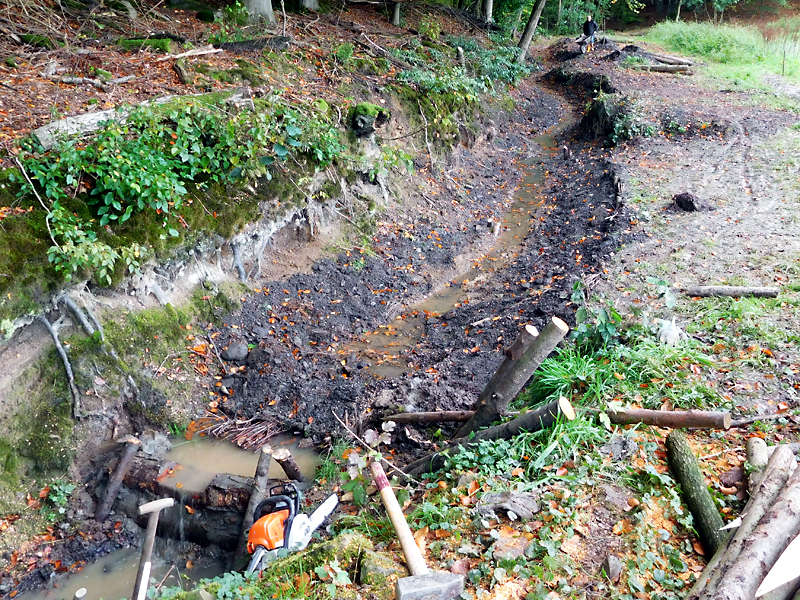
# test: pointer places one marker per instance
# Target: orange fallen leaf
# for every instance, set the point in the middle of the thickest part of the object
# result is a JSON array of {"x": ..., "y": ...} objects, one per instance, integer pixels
[
  {"x": 698, "y": 548},
  {"x": 517, "y": 472}
]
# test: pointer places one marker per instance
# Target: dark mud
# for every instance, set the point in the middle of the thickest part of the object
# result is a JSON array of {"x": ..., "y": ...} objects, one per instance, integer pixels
[{"x": 300, "y": 368}]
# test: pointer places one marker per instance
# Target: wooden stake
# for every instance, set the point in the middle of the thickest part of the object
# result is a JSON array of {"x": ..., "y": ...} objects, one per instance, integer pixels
[
  {"x": 256, "y": 496},
  {"x": 286, "y": 460},
  {"x": 132, "y": 444},
  {"x": 513, "y": 374}
]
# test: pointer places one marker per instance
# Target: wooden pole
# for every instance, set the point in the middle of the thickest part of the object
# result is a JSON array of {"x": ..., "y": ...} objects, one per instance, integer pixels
[
  {"x": 256, "y": 496},
  {"x": 683, "y": 464},
  {"x": 132, "y": 444},
  {"x": 442, "y": 416},
  {"x": 512, "y": 376},
  {"x": 672, "y": 419},
  {"x": 287, "y": 462},
  {"x": 706, "y": 291}
]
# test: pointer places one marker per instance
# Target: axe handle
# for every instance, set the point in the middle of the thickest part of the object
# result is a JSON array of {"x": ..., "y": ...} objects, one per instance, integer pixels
[{"x": 414, "y": 559}]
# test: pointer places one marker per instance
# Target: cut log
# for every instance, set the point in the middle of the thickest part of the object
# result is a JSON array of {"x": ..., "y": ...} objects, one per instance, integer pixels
[
  {"x": 132, "y": 444},
  {"x": 775, "y": 476},
  {"x": 442, "y": 416},
  {"x": 777, "y": 528},
  {"x": 287, "y": 462},
  {"x": 662, "y": 68},
  {"x": 534, "y": 420},
  {"x": 669, "y": 60},
  {"x": 757, "y": 457},
  {"x": 674, "y": 419},
  {"x": 512, "y": 376},
  {"x": 708, "y": 291},
  {"x": 48, "y": 135},
  {"x": 256, "y": 496},
  {"x": 686, "y": 469}
]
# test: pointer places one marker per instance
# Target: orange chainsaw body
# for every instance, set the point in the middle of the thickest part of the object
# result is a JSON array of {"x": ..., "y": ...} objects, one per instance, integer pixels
[{"x": 268, "y": 531}]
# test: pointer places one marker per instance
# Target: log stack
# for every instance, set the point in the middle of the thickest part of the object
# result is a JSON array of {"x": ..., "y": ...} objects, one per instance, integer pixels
[{"x": 769, "y": 523}]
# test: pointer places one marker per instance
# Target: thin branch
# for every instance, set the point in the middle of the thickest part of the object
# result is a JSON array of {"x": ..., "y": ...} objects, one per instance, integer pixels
[
  {"x": 39, "y": 198},
  {"x": 369, "y": 448}
]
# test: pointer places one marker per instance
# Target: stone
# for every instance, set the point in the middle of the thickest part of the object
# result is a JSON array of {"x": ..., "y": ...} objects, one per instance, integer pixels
[
  {"x": 615, "y": 496},
  {"x": 261, "y": 332},
  {"x": 732, "y": 477},
  {"x": 236, "y": 352},
  {"x": 155, "y": 443},
  {"x": 522, "y": 504},
  {"x": 367, "y": 117},
  {"x": 431, "y": 585},
  {"x": 510, "y": 547},
  {"x": 620, "y": 448},
  {"x": 611, "y": 567},
  {"x": 376, "y": 569},
  {"x": 688, "y": 202}
]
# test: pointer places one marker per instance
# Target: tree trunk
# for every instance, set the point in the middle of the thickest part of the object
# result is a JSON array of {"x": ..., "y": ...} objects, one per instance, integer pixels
[
  {"x": 514, "y": 374},
  {"x": 706, "y": 291},
  {"x": 261, "y": 8},
  {"x": 558, "y": 15},
  {"x": 132, "y": 444},
  {"x": 778, "y": 470},
  {"x": 534, "y": 420},
  {"x": 488, "y": 7},
  {"x": 764, "y": 545},
  {"x": 517, "y": 18},
  {"x": 672, "y": 419},
  {"x": 256, "y": 496},
  {"x": 396, "y": 14},
  {"x": 684, "y": 466},
  {"x": 530, "y": 29},
  {"x": 310, "y": 5}
]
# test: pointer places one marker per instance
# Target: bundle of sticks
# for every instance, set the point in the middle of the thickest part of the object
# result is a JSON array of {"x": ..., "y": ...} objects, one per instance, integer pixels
[
  {"x": 770, "y": 522},
  {"x": 245, "y": 433}
]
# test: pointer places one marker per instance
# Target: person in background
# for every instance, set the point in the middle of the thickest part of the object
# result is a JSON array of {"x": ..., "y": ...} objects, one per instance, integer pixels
[{"x": 589, "y": 29}]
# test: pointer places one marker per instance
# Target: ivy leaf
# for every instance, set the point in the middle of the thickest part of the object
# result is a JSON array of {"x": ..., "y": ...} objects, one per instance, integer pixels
[
  {"x": 173, "y": 232},
  {"x": 293, "y": 130},
  {"x": 266, "y": 160}
]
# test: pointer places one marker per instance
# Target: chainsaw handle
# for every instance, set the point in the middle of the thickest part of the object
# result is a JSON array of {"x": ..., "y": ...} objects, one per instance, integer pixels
[{"x": 274, "y": 502}]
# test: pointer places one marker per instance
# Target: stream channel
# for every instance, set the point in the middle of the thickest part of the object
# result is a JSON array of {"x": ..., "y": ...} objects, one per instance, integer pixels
[{"x": 112, "y": 577}]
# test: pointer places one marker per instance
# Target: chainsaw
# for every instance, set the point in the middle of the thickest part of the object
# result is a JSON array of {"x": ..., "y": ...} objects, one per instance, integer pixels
[{"x": 278, "y": 525}]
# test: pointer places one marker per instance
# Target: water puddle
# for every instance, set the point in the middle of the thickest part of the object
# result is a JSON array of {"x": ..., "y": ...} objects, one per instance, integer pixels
[
  {"x": 202, "y": 459},
  {"x": 113, "y": 576},
  {"x": 384, "y": 348}
]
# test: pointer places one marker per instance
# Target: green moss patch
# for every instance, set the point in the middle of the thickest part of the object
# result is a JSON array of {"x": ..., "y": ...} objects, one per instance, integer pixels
[{"x": 137, "y": 45}]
